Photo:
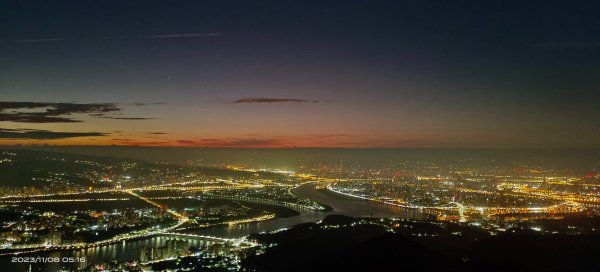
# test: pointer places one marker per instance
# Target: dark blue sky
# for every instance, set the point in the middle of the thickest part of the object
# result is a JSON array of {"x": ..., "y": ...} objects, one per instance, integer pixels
[{"x": 329, "y": 73}]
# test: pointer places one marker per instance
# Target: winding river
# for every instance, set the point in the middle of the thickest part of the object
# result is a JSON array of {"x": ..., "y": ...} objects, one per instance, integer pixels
[{"x": 340, "y": 204}]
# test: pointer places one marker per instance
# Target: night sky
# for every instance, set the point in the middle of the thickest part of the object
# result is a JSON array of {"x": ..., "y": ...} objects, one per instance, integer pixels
[{"x": 300, "y": 73}]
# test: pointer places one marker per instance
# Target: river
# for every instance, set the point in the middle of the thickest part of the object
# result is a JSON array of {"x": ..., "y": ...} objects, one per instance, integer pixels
[{"x": 129, "y": 250}]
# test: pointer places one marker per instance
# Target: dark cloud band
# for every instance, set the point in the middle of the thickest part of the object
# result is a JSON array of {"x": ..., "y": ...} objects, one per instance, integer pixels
[
  {"x": 34, "y": 134},
  {"x": 230, "y": 142},
  {"x": 42, "y": 112}
]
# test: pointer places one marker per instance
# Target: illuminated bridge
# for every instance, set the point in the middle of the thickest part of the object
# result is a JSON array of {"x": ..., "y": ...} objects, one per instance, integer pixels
[
  {"x": 198, "y": 237},
  {"x": 267, "y": 201}
]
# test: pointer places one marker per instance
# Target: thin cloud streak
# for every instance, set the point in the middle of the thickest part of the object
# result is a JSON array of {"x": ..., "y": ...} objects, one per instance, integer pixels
[
  {"x": 147, "y": 104},
  {"x": 159, "y": 36},
  {"x": 186, "y": 35},
  {"x": 273, "y": 100},
  {"x": 568, "y": 45},
  {"x": 39, "y": 40},
  {"x": 127, "y": 118}
]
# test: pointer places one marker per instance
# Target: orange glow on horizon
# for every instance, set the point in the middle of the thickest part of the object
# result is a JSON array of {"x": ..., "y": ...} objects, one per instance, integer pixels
[{"x": 278, "y": 142}]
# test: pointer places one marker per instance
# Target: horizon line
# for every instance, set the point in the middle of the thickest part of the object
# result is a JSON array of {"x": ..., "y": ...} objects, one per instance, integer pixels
[{"x": 290, "y": 147}]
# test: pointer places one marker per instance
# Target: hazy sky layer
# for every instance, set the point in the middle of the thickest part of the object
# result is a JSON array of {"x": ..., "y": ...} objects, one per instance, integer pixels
[{"x": 301, "y": 73}]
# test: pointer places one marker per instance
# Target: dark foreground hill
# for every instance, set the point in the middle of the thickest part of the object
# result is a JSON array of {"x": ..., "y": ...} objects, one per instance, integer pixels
[{"x": 346, "y": 244}]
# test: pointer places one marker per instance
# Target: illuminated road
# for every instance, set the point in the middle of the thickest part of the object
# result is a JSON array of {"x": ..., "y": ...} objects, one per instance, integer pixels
[{"x": 176, "y": 214}]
